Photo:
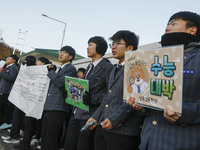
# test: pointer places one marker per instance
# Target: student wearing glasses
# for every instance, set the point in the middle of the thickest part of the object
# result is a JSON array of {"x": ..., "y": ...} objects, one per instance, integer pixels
[{"x": 112, "y": 134}]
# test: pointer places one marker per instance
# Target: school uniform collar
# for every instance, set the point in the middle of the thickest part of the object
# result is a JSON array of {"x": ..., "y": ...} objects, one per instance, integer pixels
[
  {"x": 121, "y": 64},
  {"x": 65, "y": 65},
  {"x": 191, "y": 46},
  {"x": 9, "y": 65},
  {"x": 96, "y": 62}
]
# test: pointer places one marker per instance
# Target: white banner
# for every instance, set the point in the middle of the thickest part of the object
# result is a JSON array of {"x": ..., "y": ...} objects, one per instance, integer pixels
[
  {"x": 2, "y": 63},
  {"x": 30, "y": 90}
]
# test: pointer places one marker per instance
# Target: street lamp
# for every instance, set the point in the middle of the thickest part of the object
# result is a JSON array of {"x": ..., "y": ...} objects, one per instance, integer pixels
[{"x": 60, "y": 22}]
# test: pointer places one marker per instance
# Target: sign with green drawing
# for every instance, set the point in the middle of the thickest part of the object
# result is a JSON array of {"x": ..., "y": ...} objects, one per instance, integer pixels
[{"x": 75, "y": 88}]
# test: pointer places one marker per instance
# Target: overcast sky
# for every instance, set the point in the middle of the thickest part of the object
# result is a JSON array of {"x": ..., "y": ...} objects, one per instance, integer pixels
[{"x": 85, "y": 19}]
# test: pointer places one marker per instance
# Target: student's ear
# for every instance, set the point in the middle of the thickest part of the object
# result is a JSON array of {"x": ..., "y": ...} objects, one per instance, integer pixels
[
  {"x": 193, "y": 30},
  {"x": 71, "y": 57},
  {"x": 130, "y": 47}
]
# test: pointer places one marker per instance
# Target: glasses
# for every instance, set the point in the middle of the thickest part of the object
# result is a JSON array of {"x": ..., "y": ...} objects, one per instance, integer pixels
[{"x": 116, "y": 44}]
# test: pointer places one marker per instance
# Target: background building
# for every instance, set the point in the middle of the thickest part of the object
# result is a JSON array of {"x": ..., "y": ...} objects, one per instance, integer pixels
[{"x": 79, "y": 61}]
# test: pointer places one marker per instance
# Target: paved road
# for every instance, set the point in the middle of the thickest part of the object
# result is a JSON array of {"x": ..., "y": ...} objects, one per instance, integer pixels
[{"x": 5, "y": 146}]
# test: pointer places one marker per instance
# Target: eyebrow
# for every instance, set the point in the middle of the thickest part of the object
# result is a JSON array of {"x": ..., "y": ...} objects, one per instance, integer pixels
[
  {"x": 172, "y": 21},
  {"x": 116, "y": 41}
]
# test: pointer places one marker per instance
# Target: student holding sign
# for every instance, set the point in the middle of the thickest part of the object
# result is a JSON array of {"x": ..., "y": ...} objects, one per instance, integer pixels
[
  {"x": 30, "y": 123},
  {"x": 56, "y": 111},
  {"x": 98, "y": 84},
  {"x": 112, "y": 135},
  {"x": 168, "y": 131},
  {"x": 18, "y": 114}
]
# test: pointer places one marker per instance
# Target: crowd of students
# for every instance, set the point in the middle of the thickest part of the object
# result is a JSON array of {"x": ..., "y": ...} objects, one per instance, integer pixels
[{"x": 114, "y": 124}]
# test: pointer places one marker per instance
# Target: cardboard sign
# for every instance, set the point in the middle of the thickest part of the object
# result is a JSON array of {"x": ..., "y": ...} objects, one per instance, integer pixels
[
  {"x": 75, "y": 88},
  {"x": 154, "y": 77}
]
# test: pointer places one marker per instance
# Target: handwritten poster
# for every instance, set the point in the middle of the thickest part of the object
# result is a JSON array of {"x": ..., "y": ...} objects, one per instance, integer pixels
[
  {"x": 154, "y": 77},
  {"x": 76, "y": 88},
  {"x": 30, "y": 90}
]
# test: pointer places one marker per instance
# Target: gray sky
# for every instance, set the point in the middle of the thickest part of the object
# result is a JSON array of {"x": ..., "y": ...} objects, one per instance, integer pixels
[{"x": 86, "y": 18}]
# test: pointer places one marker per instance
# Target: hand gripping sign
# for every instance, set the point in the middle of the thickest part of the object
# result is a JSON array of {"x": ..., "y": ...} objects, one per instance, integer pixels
[{"x": 154, "y": 77}]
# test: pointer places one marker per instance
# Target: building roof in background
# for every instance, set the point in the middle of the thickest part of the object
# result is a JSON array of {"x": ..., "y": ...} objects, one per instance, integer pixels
[
  {"x": 51, "y": 54},
  {"x": 79, "y": 60}
]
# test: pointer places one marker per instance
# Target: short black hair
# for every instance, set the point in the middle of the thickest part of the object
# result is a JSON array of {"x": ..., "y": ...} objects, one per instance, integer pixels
[
  {"x": 70, "y": 50},
  {"x": 44, "y": 60},
  {"x": 15, "y": 57},
  {"x": 129, "y": 37},
  {"x": 82, "y": 70},
  {"x": 30, "y": 60},
  {"x": 191, "y": 18},
  {"x": 101, "y": 44}
]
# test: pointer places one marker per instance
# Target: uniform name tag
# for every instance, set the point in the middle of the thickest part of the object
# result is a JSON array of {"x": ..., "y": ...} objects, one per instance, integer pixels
[{"x": 188, "y": 72}]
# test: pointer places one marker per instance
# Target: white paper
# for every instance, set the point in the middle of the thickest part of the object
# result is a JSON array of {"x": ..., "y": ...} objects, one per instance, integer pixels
[
  {"x": 30, "y": 90},
  {"x": 2, "y": 63}
]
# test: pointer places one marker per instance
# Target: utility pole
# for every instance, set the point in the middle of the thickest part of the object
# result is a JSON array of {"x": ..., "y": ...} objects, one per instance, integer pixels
[{"x": 60, "y": 22}]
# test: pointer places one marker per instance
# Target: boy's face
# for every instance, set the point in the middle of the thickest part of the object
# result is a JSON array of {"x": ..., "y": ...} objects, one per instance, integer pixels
[
  {"x": 118, "y": 49},
  {"x": 91, "y": 50},
  {"x": 39, "y": 63},
  {"x": 10, "y": 60},
  {"x": 177, "y": 25},
  {"x": 80, "y": 74},
  {"x": 64, "y": 57}
]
